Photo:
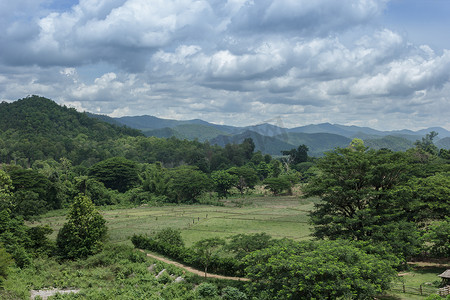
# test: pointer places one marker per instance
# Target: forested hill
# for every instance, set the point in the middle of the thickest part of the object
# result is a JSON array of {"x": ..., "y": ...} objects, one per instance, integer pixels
[
  {"x": 36, "y": 115},
  {"x": 36, "y": 128}
]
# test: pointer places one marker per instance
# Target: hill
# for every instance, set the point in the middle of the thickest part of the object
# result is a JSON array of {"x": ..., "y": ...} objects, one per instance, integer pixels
[
  {"x": 317, "y": 143},
  {"x": 395, "y": 143},
  {"x": 191, "y": 132},
  {"x": 36, "y": 128},
  {"x": 265, "y": 144}
]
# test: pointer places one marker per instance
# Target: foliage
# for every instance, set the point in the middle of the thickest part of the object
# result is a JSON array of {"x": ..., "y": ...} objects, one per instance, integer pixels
[
  {"x": 14, "y": 238},
  {"x": 426, "y": 144},
  {"x": 170, "y": 236},
  {"x": 188, "y": 183},
  {"x": 317, "y": 270},
  {"x": 207, "y": 290},
  {"x": 206, "y": 249},
  {"x": 247, "y": 177},
  {"x": 5, "y": 190},
  {"x": 116, "y": 173},
  {"x": 223, "y": 181},
  {"x": 232, "y": 293},
  {"x": 296, "y": 156},
  {"x": 84, "y": 232},
  {"x": 438, "y": 238},
  {"x": 278, "y": 185},
  {"x": 243, "y": 244},
  {"x": 5, "y": 262}
]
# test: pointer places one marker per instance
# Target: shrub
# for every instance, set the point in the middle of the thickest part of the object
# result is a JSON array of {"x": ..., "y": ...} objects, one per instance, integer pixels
[
  {"x": 207, "y": 290},
  {"x": 232, "y": 293}
]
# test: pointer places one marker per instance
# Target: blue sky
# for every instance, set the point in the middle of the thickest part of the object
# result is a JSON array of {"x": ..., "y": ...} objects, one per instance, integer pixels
[{"x": 378, "y": 63}]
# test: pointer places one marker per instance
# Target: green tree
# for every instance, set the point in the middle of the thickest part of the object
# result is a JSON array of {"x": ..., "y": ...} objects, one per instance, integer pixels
[
  {"x": 223, "y": 181},
  {"x": 116, "y": 173},
  {"x": 6, "y": 188},
  {"x": 317, "y": 270},
  {"x": 296, "y": 156},
  {"x": 427, "y": 144},
  {"x": 278, "y": 185},
  {"x": 243, "y": 244},
  {"x": 188, "y": 183},
  {"x": 170, "y": 236},
  {"x": 5, "y": 262},
  {"x": 438, "y": 238},
  {"x": 247, "y": 178},
  {"x": 84, "y": 232},
  {"x": 206, "y": 249}
]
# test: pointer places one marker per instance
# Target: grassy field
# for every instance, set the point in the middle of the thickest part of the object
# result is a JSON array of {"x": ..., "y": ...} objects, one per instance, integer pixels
[{"x": 284, "y": 216}]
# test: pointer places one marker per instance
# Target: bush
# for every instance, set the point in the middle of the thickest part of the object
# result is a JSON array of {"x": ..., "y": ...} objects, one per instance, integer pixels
[
  {"x": 207, "y": 290},
  {"x": 232, "y": 293},
  {"x": 170, "y": 236}
]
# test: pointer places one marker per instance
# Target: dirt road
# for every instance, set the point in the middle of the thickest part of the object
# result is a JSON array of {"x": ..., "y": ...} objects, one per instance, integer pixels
[{"x": 192, "y": 270}]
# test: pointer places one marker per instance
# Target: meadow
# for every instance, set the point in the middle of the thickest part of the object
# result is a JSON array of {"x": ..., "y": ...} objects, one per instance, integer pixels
[{"x": 284, "y": 216}]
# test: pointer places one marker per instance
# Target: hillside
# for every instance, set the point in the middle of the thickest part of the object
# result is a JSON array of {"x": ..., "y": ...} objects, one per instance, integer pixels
[
  {"x": 36, "y": 128},
  {"x": 191, "y": 132},
  {"x": 317, "y": 142},
  {"x": 265, "y": 144},
  {"x": 395, "y": 143}
]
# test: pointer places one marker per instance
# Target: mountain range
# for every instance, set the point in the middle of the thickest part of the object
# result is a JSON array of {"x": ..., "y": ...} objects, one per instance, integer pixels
[{"x": 273, "y": 139}]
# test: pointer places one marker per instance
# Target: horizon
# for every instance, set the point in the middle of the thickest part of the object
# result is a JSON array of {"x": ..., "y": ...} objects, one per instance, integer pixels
[{"x": 382, "y": 64}]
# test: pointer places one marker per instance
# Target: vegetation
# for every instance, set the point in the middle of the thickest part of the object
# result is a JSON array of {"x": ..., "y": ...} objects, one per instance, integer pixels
[
  {"x": 84, "y": 232},
  {"x": 370, "y": 211}
]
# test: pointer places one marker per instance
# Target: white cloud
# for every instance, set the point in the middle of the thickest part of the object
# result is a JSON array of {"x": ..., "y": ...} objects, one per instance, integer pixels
[{"x": 224, "y": 61}]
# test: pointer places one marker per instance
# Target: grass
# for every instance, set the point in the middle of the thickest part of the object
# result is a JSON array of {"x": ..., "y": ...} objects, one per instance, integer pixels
[{"x": 284, "y": 216}]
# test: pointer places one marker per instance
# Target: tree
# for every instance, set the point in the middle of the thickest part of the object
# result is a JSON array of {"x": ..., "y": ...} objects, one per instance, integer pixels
[
  {"x": 5, "y": 191},
  {"x": 170, "y": 236},
  {"x": 116, "y": 173},
  {"x": 247, "y": 177},
  {"x": 278, "y": 185},
  {"x": 206, "y": 249},
  {"x": 223, "y": 181},
  {"x": 438, "y": 238},
  {"x": 243, "y": 244},
  {"x": 188, "y": 183},
  {"x": 426, "y": 144},
  {"x": 317, "y": 270},
  {"x": 5, "y": 262},
  {"x": 84, "y": 232},
  {"x": 296, "y": 156},
  {"x": 360, "y": 199}
]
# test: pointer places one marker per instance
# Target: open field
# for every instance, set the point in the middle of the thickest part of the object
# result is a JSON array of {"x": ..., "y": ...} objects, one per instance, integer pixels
[{"x": 284, "y": 216}]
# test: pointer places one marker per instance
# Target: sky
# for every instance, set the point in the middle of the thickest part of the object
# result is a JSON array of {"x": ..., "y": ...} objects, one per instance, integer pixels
[{"x": 384, "y": 64}]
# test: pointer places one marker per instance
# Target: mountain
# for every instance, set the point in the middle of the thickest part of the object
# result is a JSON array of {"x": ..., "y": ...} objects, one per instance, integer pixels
[
  {"x": 199, "y": 132},
  {"x": 265, "y": 144},
  {"x": 395, "y": 143},
  {"x": 316, "y": 142},
  {"x": 443, "y": 143},
  {"x": 36, "y": 128}
]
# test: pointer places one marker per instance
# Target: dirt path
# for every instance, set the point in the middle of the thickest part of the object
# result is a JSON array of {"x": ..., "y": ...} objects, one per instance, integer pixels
[{"x": 192, "y": 270}]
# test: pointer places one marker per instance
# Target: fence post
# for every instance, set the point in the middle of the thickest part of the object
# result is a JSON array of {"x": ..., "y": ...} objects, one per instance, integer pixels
[
  {"x": 404, "y": 290},
  {"x": 420, "y": 288}
]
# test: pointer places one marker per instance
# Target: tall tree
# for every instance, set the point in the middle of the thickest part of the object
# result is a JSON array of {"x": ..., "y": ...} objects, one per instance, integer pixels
[
  {"x": 84, "y": 232},
  {"x": 116, "y": 173}
]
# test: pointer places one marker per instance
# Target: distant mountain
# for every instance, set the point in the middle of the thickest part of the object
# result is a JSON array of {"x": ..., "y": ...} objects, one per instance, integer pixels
[
  {"x": 395, "y": 143},
  {"x": 443, "y": 143},
  {"x": 317, "y": 142},
  {"x": 147, "y": 123},
  {"x": 188, "y": 131},
  {"x": 265, "y": 144},
  {"x": 318, "y": 137}
]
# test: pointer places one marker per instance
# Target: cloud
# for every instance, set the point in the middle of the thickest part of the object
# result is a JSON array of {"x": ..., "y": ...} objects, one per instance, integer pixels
[{"x": 224, "y": 61}]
